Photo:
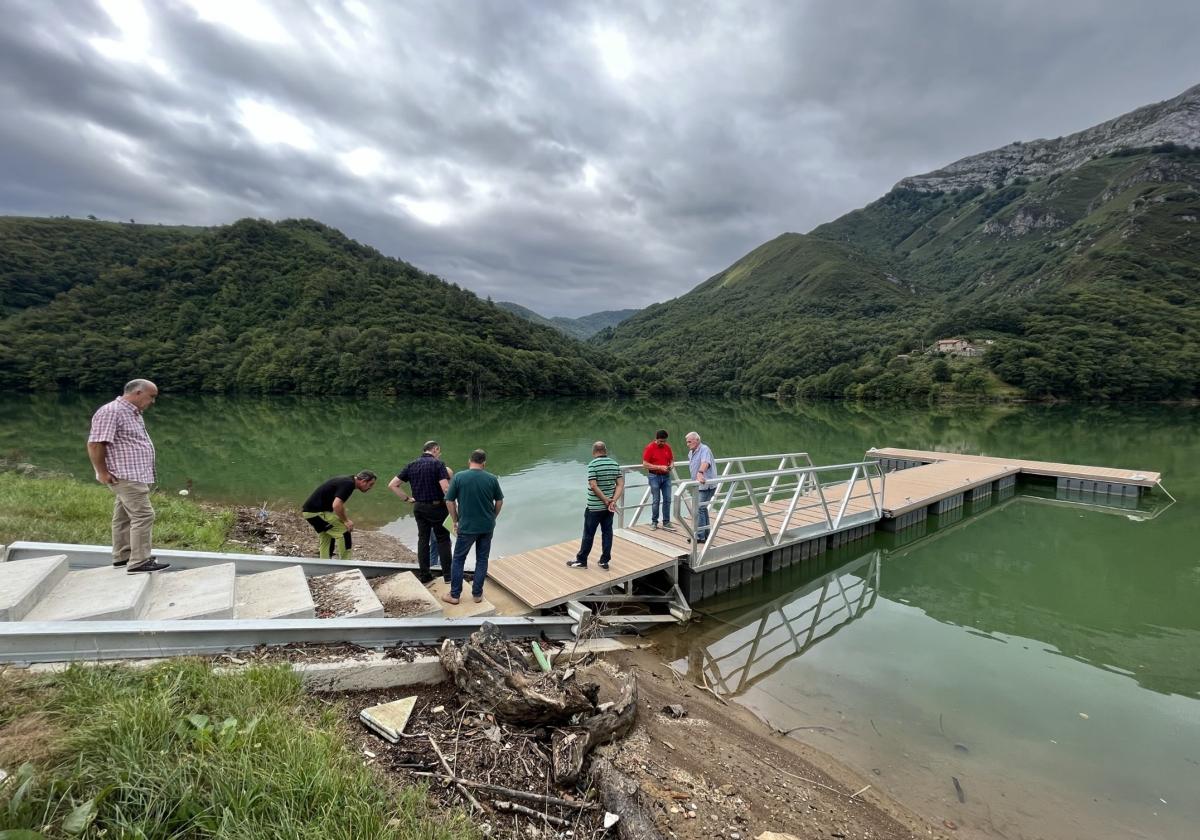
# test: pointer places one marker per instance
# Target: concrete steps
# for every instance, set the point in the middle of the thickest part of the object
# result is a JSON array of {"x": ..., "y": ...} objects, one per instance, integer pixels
[
  {"x": 403, "y": 596},
  {"x": 344, "y": 595},
  {"x": 45, "y": 589},
  {"x": 282, "y": 593},
  {"x": 204, "y": 592},
  {"x": 103, "y": 594},
  {"x": 27, "y": 582}
]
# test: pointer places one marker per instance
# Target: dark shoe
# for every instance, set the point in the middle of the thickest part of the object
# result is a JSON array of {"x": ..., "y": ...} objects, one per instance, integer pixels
[
  {"x": 150, "y": 566},
  {"x": 118, "y": 564},
  {"x": 446, "y": 581},
  {"x": 603, "y": 565},
  {"x": 577, "y": 564},
  {"x": 668, "y": 526},
  {"x": 426, "y": 578}
]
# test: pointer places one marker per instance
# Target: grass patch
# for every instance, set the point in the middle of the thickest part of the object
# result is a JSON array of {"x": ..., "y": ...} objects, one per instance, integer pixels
[
  {"x": 62, "y": 509},
  {"x": 175, "y": 751}
]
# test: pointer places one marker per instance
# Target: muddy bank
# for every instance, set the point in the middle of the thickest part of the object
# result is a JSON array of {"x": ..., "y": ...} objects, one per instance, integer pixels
[
  {"x": 715, "y": 772},
  {"x": 287, "y": 534}
]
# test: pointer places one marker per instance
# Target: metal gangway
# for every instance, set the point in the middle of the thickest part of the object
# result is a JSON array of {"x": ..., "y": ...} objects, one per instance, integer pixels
[
  {"x": 763, "y": 640},
  {"x": 757, "y": 503}
]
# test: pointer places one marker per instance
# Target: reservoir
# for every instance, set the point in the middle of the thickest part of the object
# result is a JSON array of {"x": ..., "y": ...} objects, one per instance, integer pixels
[{"x": 1045, "y": 655}]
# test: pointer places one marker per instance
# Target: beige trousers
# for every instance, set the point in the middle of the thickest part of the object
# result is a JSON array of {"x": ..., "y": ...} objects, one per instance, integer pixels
[{"x": 132, "y": 521}]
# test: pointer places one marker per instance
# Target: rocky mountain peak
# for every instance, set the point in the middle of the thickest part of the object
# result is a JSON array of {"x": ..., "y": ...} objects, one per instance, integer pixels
[{"x": 1175, "y": 120}]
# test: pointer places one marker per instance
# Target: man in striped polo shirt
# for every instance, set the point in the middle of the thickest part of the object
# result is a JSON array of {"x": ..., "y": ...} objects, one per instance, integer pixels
[
  {"x": 605, "y": 486},
  {"x": 122, "y": 455}
]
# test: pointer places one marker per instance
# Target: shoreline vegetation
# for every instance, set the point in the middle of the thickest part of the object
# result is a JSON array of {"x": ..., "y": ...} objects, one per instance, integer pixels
[
  {"x": 177, "y": 750},
  {"x": 41, "y": 506}
]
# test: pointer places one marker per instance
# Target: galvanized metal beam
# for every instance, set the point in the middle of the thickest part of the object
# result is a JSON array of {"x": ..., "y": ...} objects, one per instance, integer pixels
[{"x": 66, "y": 641}]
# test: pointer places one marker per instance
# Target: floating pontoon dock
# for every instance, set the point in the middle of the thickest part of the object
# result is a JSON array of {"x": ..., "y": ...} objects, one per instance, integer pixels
[{"x": 767, "y": 512}]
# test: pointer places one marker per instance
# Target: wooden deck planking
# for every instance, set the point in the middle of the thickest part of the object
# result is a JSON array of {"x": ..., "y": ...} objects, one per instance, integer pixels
[
  {"x": 1141, "y": 478},
  {"x": 917, "y": 487},
  {"x": 541, "y": 577}
]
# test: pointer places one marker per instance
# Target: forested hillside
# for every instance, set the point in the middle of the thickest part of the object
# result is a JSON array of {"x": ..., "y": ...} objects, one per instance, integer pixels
[
  {"x": 41, "y": 257},
  {"x": 1088, "y": 282},
  {"x": 262, "y": 307},
  {"x": 581, "y": 328}
]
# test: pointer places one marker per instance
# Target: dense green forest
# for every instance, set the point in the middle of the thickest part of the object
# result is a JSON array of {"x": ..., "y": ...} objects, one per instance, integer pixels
[
  {"x": 1086, "y": 281},
  {"x": 261, "y": 307},
  {"x": 39, "y": 258}
]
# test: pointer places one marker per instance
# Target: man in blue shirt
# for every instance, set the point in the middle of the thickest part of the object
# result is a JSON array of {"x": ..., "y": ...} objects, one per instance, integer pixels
[
  {"x": 429, "y": 479},
  {"x": 700, "y": 464},
  {"x": 474, "y": 500}
]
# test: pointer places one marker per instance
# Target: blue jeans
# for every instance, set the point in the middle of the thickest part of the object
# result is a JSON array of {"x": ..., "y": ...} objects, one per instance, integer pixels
[
  {"x": 592, "y": 519},
  {"x": 483, "y": 549},
  {"x": 702, "y": 514},
  {"x": 660, "y": 485}
]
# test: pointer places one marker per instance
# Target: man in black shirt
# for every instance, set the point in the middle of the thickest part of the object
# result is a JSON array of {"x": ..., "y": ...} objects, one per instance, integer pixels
[
  {"x": 325, "y": 510},
  {"x": 428, "y": 478}
]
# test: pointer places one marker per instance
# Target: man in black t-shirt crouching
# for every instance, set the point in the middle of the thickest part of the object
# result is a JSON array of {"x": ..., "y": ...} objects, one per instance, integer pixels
[{"x": 325, "y": 510}]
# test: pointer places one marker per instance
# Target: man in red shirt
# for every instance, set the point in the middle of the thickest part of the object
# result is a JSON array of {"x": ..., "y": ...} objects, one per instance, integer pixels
[{"x": 657, "y": 459}]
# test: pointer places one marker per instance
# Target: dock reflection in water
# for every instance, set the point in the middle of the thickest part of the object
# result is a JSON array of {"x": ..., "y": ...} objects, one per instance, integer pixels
[{"x": 748, "y": 643}]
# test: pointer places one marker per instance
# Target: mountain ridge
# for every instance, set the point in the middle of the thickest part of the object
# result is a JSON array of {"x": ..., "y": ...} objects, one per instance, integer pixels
[
  {"x": 581, "y": 328},
  {"x": 1175, "y": 120},
  {"x": 1081, "y": 277}
]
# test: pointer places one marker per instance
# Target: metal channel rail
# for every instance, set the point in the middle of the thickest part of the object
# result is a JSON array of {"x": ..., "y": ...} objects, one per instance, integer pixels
[{"x": 62, "y": 641}]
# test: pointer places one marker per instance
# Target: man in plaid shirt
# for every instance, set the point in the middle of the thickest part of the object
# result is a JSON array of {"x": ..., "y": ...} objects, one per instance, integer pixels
[{"x": 123, "y": 456}]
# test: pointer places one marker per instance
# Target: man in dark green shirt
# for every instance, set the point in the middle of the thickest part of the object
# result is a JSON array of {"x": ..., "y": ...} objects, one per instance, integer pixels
[
  {"x": 605, "y": 486},
  {"x": 474, "y": 500}
]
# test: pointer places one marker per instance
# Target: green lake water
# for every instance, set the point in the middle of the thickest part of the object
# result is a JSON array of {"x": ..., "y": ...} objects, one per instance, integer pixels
[{"x": 1044, "y": 654}]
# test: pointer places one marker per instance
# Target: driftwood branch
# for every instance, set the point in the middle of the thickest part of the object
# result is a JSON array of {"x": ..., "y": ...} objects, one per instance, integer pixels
[
  {"x": 511, "y": 793},
  {"x": 623, "y": 796},
  {"x": 461, "y": 789},
  {"x": 571, "y": 745},
  {"x": 514, "y": 808}
]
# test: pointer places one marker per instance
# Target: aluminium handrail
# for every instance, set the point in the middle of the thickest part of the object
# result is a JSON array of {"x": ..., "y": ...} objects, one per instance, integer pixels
[
  {"x": 808, "y": 490},
  {"x": 785, "y": 459}
]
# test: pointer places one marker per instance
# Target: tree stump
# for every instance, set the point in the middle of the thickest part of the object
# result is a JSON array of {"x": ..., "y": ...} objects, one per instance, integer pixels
[
  {"x": 570, "y": 745},
  {"x": 623, "y": 796},
  {"x": 493, "y": 672}
]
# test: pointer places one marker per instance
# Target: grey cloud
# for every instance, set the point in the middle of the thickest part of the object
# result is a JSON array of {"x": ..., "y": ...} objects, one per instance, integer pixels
[{"x": 738, "y": 122}]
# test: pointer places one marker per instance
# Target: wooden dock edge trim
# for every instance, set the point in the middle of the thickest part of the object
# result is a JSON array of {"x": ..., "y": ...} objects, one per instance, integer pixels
[{"x": 926, "y": 501}]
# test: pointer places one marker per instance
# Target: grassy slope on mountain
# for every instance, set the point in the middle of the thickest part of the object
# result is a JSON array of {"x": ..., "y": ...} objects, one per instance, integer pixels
[
  {"x": 581, "y": 328},
  {"x": 292, "y": 306},
  {"x": 41, "y": 257},
  {"x": 1087, "y": 281},
  {"x": 792, "y": 304}
]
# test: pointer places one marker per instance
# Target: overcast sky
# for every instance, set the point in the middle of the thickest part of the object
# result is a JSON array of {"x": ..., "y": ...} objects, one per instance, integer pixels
[{"x": 571, "y": 157}]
